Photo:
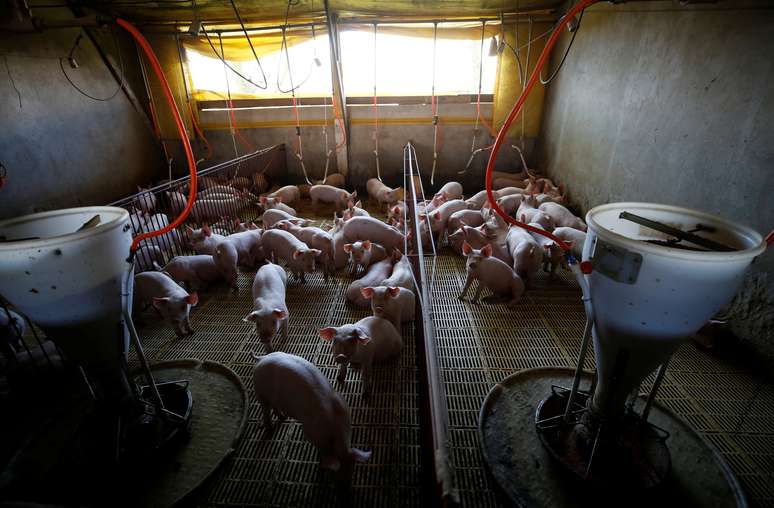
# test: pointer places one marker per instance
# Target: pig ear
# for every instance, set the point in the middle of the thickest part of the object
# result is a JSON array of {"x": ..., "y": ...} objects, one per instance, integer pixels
[
  {"x": 330, "y": 462},
  {"x": 395, "y": 210},
  {"x": 359, "y": 204},
  {"x": 367, "y": 292},
  {"x": 436, "y": 215},
  {"x": 486, "y": 250},
  {"x": 160, "y": 302},
  {"x": 297, "y": 254},
  {"x": 279, "y": 313},
  {"x": 315, "y": 252},
  {"x": 367, "y": 244},
  {"x": 251, "y": 318},
  {"x": 192, "y": 299},
  {"x": 207, "y": 231},
  {"x": 327, "y": 333},
  {"x": 394, "y": 292},
  {"x": 350, "y": 204},
  {"x": 359, "y": 455},
  {"x": 362, "y": 338},
  {"x": 466, "y": 248},
  {"x": 263, "y": 200},
  {"x": 353, "y": 195},
  {"x": 348, "y": 247},
  {"x": 252, "y": 226}
]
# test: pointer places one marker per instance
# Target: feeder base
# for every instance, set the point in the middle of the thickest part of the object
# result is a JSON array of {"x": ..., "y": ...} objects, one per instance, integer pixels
[{"x": 526, "y": 473}]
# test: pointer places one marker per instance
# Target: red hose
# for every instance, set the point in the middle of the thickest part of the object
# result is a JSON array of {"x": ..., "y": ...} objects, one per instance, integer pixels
[
  {"x": 146, "y": 47},
  {"x": 770, "y": 238},
  {"x": 515, "y": 112},
  {"x": 199, "y": 131}
]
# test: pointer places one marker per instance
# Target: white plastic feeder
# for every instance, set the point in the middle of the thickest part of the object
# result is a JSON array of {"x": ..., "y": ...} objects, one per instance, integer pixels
[
  {"x": 648, "y": 298},
  {"x": 69, "y": 282}
]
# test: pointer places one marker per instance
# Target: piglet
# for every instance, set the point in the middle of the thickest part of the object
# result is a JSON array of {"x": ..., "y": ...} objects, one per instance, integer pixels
[
  {"x": 381, "y": 193},
  {"x": 334, "y": 179},
  {"x": 362, "y": 254},
  {"x": 215, "y": 207},
  {"x": 289, "y": 194},
  {"x": 394, "y": 304},
  {"x": 396, "y": 215},
  {"x": 315, "y": 238},
  {"x": 370, "y": 340},
  {"x": 464, "y": 217},
  {"x": 507, "y": 191},
  {"x": 477, "y": 239},
  {"x": 194, "y": 271},
  {"x": 552, "y": 254},
  {"x": 562, "y": 217},
  {"x": 203, "y": 240},
  {"x": 526, "y": 252},
  {"x": 369, "y": 228},
  {"x": 146, "y": 256},
  {"x": 437, "y": 220},
  {"x": 354, "y": 210},
  {"x": 509, "y": 204},
  {"x": 276, "y": 203},
  {"x": 337, "y": 241},
  {"x": 491, "y": 273},
  {"x": 477, "y": 200},
  {"x": 402, "y": 275},
  {"x": 293, "y": 387},
  {"x": 453, "y": 190},
  {"x": 145, "y": 200},
  {"x": 273, "y": 216},
  {"x": 279, "y": 244},
  {"x": 270, "y": 313},
  {"x": 226, "y": 258},
  {"x": 172, "y": 301},
  {"x": 249, "y": 247},
  {"x": 375, "y": 276},
  {"x": 329, "y": 194}
]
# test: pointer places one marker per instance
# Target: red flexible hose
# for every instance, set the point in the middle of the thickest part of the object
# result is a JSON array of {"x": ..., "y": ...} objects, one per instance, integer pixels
[
  {"x": 199, "y": 131},
  {"x": 146, "y": 47},
  {"x": 770, "y": 238},
  {"x": 246, "y": 144},
  {"x": 515, "y": 112}
]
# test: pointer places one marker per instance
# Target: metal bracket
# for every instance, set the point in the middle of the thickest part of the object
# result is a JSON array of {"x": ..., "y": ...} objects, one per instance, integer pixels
[{"x": 615, "y": 262}]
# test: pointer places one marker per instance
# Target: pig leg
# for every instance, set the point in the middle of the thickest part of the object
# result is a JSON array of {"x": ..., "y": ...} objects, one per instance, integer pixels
[
  {"x": 468, "y": 282},
  {"x": 342, "y": 376},
  {"x": 478, "y": 293},
  {"x": 266, "y": 408}
]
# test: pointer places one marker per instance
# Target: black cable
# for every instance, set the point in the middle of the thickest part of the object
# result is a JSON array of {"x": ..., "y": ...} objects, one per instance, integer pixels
[
  {"x": 284, "y": 46},
  {"x": 250, "y": 43},
  {"x": 69, "y": 57},
  {"x": 566, "y": 52},
  {"x": 223, "y": 59},
  {"x": 13, "y": 83}
]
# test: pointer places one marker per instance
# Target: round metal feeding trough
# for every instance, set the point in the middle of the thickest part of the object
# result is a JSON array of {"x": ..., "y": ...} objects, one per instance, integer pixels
[{"x": 654, "y": 275}]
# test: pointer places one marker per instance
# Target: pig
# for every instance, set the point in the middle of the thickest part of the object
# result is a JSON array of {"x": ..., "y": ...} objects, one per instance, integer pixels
[
  {"x": 369, "y": 228},
  {"x": 362, "y": 254},
  {"x": 166, "y": 241},
  {"x": 507, "y": 191},
  {"x": 551, "y": 256},
  {"x": 334, "y": 179},
  {"x": 270, "y": 313},
  {"x": 271, "y": 217},
  {"x": 172, "y": 301},
  {"x": 249, "y": 247},
  {"x": 464, "y": 217},
  {"x": 330, "y": 194},
  {"x": 145, "y": 200},
  {"x": 518, "y": 177},
  {"x": 203, "y": 240},
  {"x": 241, "y": 227},
  {"x": 456, "y": 239},
  {"x": 240, "y": 182},
  {"x": 533, "y": 185},
  {"x": 453, "y": 190},
  {"x": 277, "y": 204},
  {"x": 303, "y": 189},
  {"x": 437, "y": 219},
  {"x": 212, "y": 208},
  {"x": 294, "y": 387},
  {"x": 478, "y": 239},
  {"x": 279, "y": 244},
  {"x": 145, "y": 256},
  {"x": 205, "y": 182},
  {"x": 381, "y": 193},
  {"x": 12, "y": 329},
  {"x": 195, "y": 271},
  {"x": 354, "y": 210},
  {"x": 370, "y": 340},
  {"x": 177, "y": 202},
  {"x": 317, "y": 239},
  {"x": 137, "y": 220},
  {"x": 375, "y": 276},
  {"x": 533, "y": 215},
  {"x": 502, "y": 183},
  {"x": 226, "y": 258},
  {"x": 337, "y": 235},
  {"x": 491, "y": 273},
  {"x": 396, "y": 214},
  {"x": 434, "y": 203},
  {"x": 562, "y": 217},
  {"x": 394, "y": 304},
  {"x": 402, "y": 275},
  {"x": 218, "y": 190},
  {"x": 526, "y": 252},
  {"x": 477, "y": 200},
  {"x": 289, "y": 194},
  {"x": 574, "y": 237},
  {"x": 509, "y": 204}
]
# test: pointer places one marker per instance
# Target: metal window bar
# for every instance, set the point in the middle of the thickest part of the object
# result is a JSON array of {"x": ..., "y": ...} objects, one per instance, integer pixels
[{"x": 434, "y": 412}]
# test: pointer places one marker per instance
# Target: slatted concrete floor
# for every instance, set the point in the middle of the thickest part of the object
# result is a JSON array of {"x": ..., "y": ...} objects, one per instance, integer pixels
[{"x": 479, "y": 345}]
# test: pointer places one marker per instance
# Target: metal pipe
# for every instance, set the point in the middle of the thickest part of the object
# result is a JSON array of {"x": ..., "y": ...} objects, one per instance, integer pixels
[
  {"x": 656, "y": 385},
  {"x": 579, "y": 367}
]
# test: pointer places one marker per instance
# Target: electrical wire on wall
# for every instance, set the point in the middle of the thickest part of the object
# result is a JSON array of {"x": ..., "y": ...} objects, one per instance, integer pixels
[
  {"x": 284, "y": 45},
  {"x": 434, "y": 108},
  {"x": 479, "y": 118},
  {"x": 566, "y": 52},
  {"x": 376, "y": 117},
  {"x": 230, "y": 67},
  {"x": 230, "y": 109},
  {"x": 73, "y": 63},
  {"x": 250, "y": 43}
]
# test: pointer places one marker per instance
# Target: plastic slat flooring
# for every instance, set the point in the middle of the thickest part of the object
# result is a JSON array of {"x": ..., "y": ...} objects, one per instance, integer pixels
[{"x": 479, "y": 345}]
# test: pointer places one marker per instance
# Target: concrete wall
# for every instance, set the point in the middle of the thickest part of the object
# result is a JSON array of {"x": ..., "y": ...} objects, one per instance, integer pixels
[
  {"x": 670, "y": 104},
  {"x": 61, "y": 148}
]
